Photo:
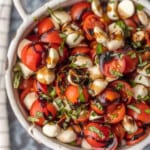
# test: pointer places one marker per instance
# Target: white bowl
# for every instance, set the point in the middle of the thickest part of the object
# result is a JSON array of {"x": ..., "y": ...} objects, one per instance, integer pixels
[{"x": 26, "y": 26}]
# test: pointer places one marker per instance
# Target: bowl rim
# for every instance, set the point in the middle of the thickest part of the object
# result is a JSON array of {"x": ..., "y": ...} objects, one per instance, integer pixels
[{"x": 34, "y": 131}]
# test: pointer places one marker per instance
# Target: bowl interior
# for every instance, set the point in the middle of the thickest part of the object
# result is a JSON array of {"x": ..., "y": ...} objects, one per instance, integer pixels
[{"x": 20, "y": 112}]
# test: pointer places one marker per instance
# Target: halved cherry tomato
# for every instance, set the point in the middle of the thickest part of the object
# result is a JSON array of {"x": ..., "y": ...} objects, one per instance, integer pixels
[
  {"x": 37, "y": 107},
  {"x": 50, "y": 109},
  {"x": 45, "y": 25},
  {"x": 143, "y": 115},
  {"x": 115, "y": 113},
  {"x": 130, "y": 23},
  {"x": 26, "y": 83},
  {"x": 114, "y": 68},
  {"x": 110, "y": 95},
  {"x": 89, "y": 23},
  {"x": 72, "y": 94},
  {"x": 80, "y": 50},
  {"x": 97, "y": 135},
  {"x": 97, "y": 107},
  {"x": 79, "y": 9},
  {"x": 83, "y": 118},
  {"x": 146, "y": 56},
  {"x": 124, "y": 89},
  {"x": 31, "y": 55},
  {"x": 131, "y": 61},
  {"x": 51, "y": 37},
  {"x": 119, "y": 131},
  {"x": 39, "y": 87},
  {"x": 136, "y": 137}
]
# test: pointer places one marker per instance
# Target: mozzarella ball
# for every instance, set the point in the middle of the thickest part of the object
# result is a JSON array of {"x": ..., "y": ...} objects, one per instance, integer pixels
[
  {"x": 143, "y": 17},
  {"x": 86, "y": 145},
  {"x": 96, "y": 8}
]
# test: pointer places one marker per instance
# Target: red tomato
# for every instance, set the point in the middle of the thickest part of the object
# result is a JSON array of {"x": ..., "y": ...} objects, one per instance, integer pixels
[
  {"x": 24, "y": 93},
  {"x": 130, "y": 23},
  {"x": 97, "y": 107},
  {"x": 136, "y": 137},
  {"x": 89, "y": 23},
  {"x": 50, "y": 109},
  {"x": 131, "y": 63},
  {"x": 114, "y": 68},
  {"x": 51, "y": 37},
  {"x": 31, "y": 56},
  {"x": 97, "y": 135},
  {"x": 79, "y": 9},
  {"x": 33, "y": 38},
  {"x": 80, "y": 50},
  {"x": 124, "y": 89},
  {"x": 45, "y": 25},
  {"x": 115, "y": 113},
  {"x": 37, "y": 107},
  {"x": 119, "y": 131},
  {"x": 39, "y": 87},
  {"x": 26, "y": 83},
  {"x": 110, "y": 95},
  {"x": 143, "y": 115},
  {"x": 82, "y": 118},
  {"x": 72, "y": 94}
]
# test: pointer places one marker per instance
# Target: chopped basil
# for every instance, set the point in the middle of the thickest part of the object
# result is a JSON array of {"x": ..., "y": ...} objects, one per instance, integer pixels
[
  {"x": 132, "y": 83},
  {"x": 139, "y": 7},
  {"x": 93, "y": 114},
  {"x": 129, "y": 93},
  {"x": 62, "y": 35},
  {"x": 78, "y": 35},
  {"x": 35, "y": 18},
  {"x": 119, "y": 86},
  {"x": 97, "y": 131},
  {"x": 113, "y": 116},
  {"x": 121, "y": 24},
  {"x": 148, "y": 70},
  {"x": 116, "y": 73},
  {"x": 32, "y": 119},
  {"x": 145, "y": 98},
  {"x": 39, "y": 114},
  {"x": 136, "y": 44},
  {"x": 99, "y": 49},
  {"x": 132, "y": 54},
  {"x": 81, "y": 96},
  {"x": 147, "y": 111},
  {"x": 51, "y": 12},
  {"x": 137, "y": 110},
  {"x": 112, "y": 1},
  {"x": 141, "y": 63},
  {"x": 44, "y": 96},
  {"x": 52, "y": 92},
  {"x": 17, "y": 76},
  {"x": 61, "y": 47}
]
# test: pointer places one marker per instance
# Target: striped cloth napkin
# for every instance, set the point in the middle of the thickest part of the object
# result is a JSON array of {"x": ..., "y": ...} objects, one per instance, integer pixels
[{"x": 5, "y": 8}]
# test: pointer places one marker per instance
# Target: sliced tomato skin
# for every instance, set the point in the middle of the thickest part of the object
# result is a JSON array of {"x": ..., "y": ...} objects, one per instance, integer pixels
[
  {"x": 37, "y": 107},
  {"x": 96, "y": 109},
  {"x": 115, "y": 113},
  {"x": 50, "y": 108},
  {"x": 45, "y": 25},
  {"x": 142, "y": 116},
  {"x": 125, "y": 91},
  {"x": 51, "y": 37},
  {"x": 93, "y": 138},
  {"x": 31, "y": 56},
  {"x": 26, "y": 83},
  {"x": 80, "y": 50},
  {"x": 82, "y": 119},
  {"x": 89, "y": 23},
  {"x": 78, "y": 10},
  {"x": 118, "y": 65}
]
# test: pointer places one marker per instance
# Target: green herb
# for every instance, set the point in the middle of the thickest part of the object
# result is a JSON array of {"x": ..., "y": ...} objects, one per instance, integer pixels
[
  {"x": 61, "y": 48},
  {"x": 141, "y": 63},
  {"x": 119, "y": 86},
  {"x": 81, "y": 96},
  {"x": 17, "y": 76},
  {"x": 44, "y": 96},
  {"x": 113, "y": 116},
  {"x": 39, "y": 114},
  {"x": 112, "y": 1},
  {"x": 78, "y": 35},
  {"x": 93, "y": 114},
  {"x": 121, "y": 24},
  {"x": 139, "y": 7},
  {"x": 51, "y": 12},
  {"x": 99, "y": 49},
  {"x": 145, "y": 98},
  {"x": 97, "y": 131},
  {"x": 136, "y": 44},
  {"x": 132, "y": 54},
  {"x": 132, "y": 83},
  {"x": 62, "y": 35},
  {"x": 35, "y": 19},
  {"x": 98, "y": 105},
  {"x": 52, "y": 92},
  {"x": 148, "y": 70},
  {"x": 116, "y": 73},
  {"x": 147, "y": 111},
  {"x": 134, "y": 108},
  {"x": 129, "y": 93},
  {"x": 32, "y": 119}
]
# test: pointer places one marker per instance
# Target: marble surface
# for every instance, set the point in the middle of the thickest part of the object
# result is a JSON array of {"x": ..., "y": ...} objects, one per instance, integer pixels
[{"x": 19, "y": 138}]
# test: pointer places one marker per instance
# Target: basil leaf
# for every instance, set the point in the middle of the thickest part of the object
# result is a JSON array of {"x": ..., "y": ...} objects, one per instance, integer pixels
[
  {"x": 121, "y": 24},
  {"x": 147, "y": 111},
  {"x": 99, "y": 49},
  {"x": 137, "y": 110},
  {"x": 97, "y": 131},
  {"x": 32, "y": 119},
  {"x": 139, "y": 7},
  {"x": 81, "y": 96}
]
